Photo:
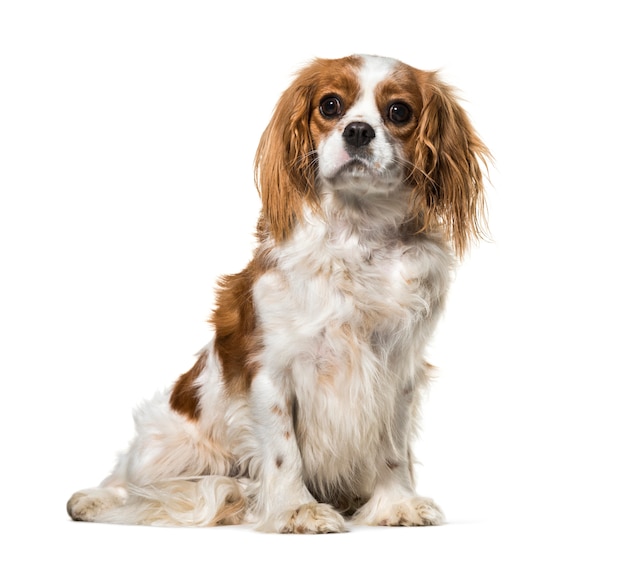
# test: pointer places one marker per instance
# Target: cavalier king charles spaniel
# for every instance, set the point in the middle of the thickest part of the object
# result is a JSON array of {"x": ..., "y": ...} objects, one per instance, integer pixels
[{"x": 299, "y": 414}]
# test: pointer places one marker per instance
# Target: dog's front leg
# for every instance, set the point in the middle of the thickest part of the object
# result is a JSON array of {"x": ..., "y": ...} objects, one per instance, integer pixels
[
  {"x": 282, "y": 502},
  {"x": 394, "y": 501}
]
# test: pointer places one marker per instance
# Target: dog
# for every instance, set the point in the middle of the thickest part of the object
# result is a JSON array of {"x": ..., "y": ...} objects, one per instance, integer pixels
[{"x": 300, "y": 412}]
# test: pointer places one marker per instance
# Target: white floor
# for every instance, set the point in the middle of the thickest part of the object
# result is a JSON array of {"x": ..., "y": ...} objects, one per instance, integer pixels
[{"x": 498, "y": 544}]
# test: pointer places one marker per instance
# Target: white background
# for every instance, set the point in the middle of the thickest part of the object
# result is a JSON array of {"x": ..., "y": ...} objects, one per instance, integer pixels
[{"x": 127, "y": 134}]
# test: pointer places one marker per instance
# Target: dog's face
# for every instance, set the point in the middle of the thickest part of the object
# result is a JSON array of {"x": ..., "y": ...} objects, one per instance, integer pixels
[
  {"x": 363, "y": 119},
  {"x": 372, "y": 126}
]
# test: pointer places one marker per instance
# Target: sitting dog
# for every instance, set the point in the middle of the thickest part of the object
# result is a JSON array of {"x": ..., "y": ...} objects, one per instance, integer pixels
[{"x": 300, "y": 411}]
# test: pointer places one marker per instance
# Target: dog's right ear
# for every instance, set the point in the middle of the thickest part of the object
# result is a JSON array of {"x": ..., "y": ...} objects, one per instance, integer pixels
[{"x": 284, "y": 169}]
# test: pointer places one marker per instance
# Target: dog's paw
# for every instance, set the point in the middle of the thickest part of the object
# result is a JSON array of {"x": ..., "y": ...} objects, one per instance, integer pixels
[
  {"x": 416, "y": 511},
  {"x": 308, "y": 518},
  {"x": 87, "y": 505}
]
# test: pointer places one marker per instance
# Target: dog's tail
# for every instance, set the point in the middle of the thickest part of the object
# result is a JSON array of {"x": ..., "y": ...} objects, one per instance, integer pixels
[{"x": 197, "y": 501}]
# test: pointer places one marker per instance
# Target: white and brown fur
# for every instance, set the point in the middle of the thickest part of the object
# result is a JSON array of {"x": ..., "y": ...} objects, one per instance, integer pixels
[{"x": 300, "y": 411}]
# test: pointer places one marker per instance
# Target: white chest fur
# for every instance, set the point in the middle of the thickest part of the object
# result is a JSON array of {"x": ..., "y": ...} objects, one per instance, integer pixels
[{"x": 345, "y": 320}]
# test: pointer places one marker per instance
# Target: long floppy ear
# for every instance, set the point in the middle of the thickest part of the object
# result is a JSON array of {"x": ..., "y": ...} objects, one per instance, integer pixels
[
  {"x": 449, "y": 157},
  {"x": 284, "y": 170}
]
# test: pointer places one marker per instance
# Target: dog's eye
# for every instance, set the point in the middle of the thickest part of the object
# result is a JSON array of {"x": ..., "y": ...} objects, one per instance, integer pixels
[
  {"x": 399, "y": 113},
  {"x": 331, "y": 106}
]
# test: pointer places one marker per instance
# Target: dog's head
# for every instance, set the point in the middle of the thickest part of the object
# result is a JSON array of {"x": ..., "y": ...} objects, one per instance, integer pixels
[{"x": 368, "y": 126}]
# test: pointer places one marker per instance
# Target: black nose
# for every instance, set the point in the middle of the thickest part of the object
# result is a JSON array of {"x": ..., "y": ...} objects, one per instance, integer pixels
[{"x": 358, "y": 134}]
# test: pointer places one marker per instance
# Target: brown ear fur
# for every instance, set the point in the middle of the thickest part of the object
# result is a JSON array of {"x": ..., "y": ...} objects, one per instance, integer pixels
[
  {"x": 447, "y": 174},
  {"x": 284, "y": 172}
]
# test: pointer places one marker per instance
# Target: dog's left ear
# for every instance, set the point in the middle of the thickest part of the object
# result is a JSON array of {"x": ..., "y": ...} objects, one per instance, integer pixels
[
  {"x": 449, "y": 157},
  {"x": 284, "y": 171}
]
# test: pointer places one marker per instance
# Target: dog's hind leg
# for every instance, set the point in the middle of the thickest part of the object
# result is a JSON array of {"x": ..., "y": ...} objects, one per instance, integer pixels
[{"x": 174, "y": 473}]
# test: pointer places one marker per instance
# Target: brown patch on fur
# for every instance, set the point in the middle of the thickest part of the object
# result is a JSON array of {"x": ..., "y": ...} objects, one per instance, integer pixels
[
  {"x": 287, "y": 435},
  {"x": 184, "y": 397},
  {"x": 277, "y": 410},
  {"x": 279, "y": 461},
  {"x": 234, "y": 320},
  {"x": 391, "y": 464}
]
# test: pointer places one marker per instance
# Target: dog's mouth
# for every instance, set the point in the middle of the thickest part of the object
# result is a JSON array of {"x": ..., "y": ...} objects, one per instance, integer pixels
[
  {"x": 360, "y": 167},
  {"x": 362, "y": 170}
]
